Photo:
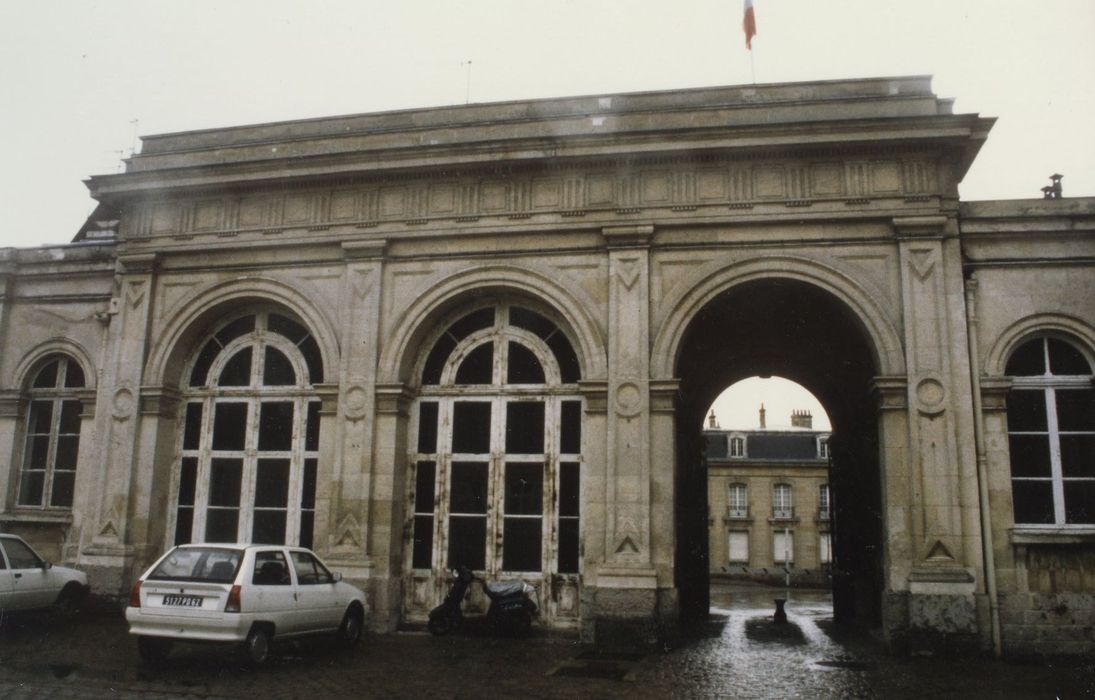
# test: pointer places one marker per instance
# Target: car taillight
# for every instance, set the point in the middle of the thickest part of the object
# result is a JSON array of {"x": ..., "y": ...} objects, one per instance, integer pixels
[
  {"x": 135, "y": 595},
  {"x": 233, "y": 604}
]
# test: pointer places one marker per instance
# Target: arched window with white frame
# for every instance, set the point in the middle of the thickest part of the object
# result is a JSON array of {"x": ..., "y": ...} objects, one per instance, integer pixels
[
  {"x": 1051, "y": 433},
  {"x": 47, "y": 478},
  {"x": 249, "y": 439}
]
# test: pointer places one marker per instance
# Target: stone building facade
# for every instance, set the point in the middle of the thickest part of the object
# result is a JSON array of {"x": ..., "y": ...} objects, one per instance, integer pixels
[
  {"x": 769, "y": 502},
  {"x": 492, "y": 331}
]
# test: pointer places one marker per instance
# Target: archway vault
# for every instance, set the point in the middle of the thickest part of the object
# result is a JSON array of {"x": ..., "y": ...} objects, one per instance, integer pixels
[{"x": 787, "y": 324}]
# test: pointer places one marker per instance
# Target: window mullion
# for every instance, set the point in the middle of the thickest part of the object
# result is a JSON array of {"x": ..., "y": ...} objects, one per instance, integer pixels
[{"x": 1056, "y": 472}]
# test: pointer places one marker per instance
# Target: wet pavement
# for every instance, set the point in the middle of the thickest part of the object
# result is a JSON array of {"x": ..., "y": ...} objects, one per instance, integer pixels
[{"x": 739, "y": 652}]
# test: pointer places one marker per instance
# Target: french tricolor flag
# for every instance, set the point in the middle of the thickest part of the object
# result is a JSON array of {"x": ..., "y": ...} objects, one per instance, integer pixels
[{"x": 749, "y": 24}]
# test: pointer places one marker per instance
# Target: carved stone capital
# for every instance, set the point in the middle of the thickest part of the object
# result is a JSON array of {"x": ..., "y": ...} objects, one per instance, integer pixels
[
  {"x": 663, "y": 395},
  {"x": 994, "y": 393},
  {"x": 394, "y": 399},
  {"x": 891, "y": 392},
  {"x": 628, "y": 236},
  {"x": 10, "y": 401},
  {"x": 364, "y": 250},
  {"x": 595, "y": 393}
]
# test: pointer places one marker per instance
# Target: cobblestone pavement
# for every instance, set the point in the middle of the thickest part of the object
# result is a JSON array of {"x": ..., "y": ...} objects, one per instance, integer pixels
[{"x": 739, "y": 653}]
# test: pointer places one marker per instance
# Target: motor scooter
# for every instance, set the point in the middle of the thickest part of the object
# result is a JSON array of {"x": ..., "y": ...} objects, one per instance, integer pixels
[{"x": 511, "y": 608}]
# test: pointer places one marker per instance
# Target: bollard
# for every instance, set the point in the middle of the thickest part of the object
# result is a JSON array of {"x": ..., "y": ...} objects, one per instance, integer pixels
[{"x": 780, "y": 616}]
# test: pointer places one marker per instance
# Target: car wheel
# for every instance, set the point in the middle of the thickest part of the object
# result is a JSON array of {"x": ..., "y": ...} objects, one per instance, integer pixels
[
  {"x": 68, "y": 603},
  {"x": 153, "y": 650},
  {"x": 349, "y": 632},
  {"x": 255, "y": 650}
]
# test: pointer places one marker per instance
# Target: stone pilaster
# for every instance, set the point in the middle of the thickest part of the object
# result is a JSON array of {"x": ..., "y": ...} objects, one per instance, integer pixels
[
  {"x": 941, "y": 472},
  {"x": 353, "y": 478},
  {"x": 108, "y": 544}
]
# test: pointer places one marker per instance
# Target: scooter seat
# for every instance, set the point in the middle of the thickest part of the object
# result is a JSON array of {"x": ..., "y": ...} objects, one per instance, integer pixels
[{"x": 504, "y": 589}]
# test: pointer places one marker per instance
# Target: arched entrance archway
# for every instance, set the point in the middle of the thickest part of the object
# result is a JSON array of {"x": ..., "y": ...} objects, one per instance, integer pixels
[{"x": 800, "y": 331}]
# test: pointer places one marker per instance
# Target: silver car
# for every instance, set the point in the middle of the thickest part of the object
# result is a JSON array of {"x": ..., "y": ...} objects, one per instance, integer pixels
[
  {"x": 246, "y": 595},
  {"x": 29, "y": 582}
]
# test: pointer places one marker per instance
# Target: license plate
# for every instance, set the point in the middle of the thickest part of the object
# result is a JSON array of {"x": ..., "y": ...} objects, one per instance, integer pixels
[{"x": 186, "y": 601}]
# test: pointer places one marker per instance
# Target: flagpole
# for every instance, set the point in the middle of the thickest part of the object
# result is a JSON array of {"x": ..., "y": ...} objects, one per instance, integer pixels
[{"x": 752, "y": 67}]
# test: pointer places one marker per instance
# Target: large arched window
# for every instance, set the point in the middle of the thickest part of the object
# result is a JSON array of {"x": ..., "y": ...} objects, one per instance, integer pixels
[
  {"x": 1051, "y": 434},
  {"x": 250, "y": 435},
  {"x": 496, "y": 447},
  {"x": 48, "y": 475}
]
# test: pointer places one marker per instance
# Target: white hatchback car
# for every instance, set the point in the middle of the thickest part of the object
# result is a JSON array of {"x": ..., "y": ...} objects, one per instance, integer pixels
[
  {"x": 29, "y": 582},
  {"x": 244, "y": 594}
]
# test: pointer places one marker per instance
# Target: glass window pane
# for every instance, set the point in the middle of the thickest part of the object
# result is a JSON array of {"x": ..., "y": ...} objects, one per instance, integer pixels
[
  {"x": 199, "y": 376},
  {"x": 47, "y": 376},
  {"x": 271, "y": 569},
  {"x": 62, "y": 489},
  {"x": 569, "y": 489},
  {"x": 1029, "y": 455},
  {"x": 272, "y": 484},
  {"x": 268, "y": 527},
  {"x": 467, "y": 542},
  {"x": 307, "y": 528},
  {"x": 478, "y": 366},
  {"x": 568, "y": 546},
  {"x": 468, "y": 491},
  {"x": 1079, "y": 502},
  {"x": 225, "y": 477},
  {"x": 1065, "y": 359},
  {"x": 1033, "y": 501},
  {"x": 38, "y": 452},
  {"x": 435, "y": 363},
  {"x": 68, "y": 450},
  {"x": 313, "y": 358},
  {"x": 425, "y": 474},
  {"x": 287, "y": 327},
  {"x": 21, "y": 556},
  {"x": 74, "y": 375},
  {"x": 570, "y": 441},
  {"x": 234, "y": 329},
  {"x": 184, "y": 524},
  {"x": 521, "y": 544},
  {"x": 311, "y": 437},
  {"x": 531, "y": 321},
  {"x": 1078, "y": 455},
  {"x": 524, "y": 489},
  {"x": 525, "y": 427},
  {"x": 422, "y": 550},
  {"x": 221, "y": 524},
  {"x": 237, "y": 371},
  {"x": 523, "y": 367},
  {"x": 1027, "y": 410},
  {"x": 427, "y": 427},
  {"x": 276, "y": 426},
  {"x": 70, "y": 417},
  {"x": 277, "y": 370},
  {"x": 192, "y": 431},
  {"x": 229, "y": 425},
  {"x": 475, "y": 321},
  {"x": 1076, "y": 409},
  {"x": 188, "y": 480},
  {"x": 41, "y": 417},
  {"x": 30, "y": 488},
  {"x": 564, "y": 353},
  {"x": 1028, "y": 360},
  {"x": 308, "y": 487},
  {"x": 471, "y": 427}
]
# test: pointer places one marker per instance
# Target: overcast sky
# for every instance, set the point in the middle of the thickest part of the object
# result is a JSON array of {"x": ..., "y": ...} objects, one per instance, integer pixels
[{"x": 76, "y": 74}]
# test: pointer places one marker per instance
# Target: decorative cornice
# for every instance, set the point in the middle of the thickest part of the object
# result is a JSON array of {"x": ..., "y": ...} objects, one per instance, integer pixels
[
  {"x": 394, "y": 399},
  {"x": 891, "y": 392},
  {"x": 919, "y": 226},
  {"x": 364, "y": 250},
  {"x": 137, "y": 263},
  {"x": 628, "y": 236},
  {"x": 595, "y": 393}
]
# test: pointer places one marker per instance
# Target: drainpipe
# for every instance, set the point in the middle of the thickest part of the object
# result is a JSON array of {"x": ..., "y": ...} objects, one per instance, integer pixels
[{"x": 982, "y": 465}]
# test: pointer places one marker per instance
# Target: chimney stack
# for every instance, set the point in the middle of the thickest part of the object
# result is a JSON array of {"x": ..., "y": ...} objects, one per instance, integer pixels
[
  {"x": 801, "y": 419},
  {"x": 712, "y": 422},
  {"x": 762, "y": 412}
]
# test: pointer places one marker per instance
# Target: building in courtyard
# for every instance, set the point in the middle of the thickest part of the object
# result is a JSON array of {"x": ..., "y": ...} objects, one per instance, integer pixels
[
  {"x": 488, "y": 334},
  {"x": 769, "y": 502}
]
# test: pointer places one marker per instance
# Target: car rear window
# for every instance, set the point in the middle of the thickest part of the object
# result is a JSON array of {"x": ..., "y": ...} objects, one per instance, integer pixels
[{"x": 215, "y": 565}]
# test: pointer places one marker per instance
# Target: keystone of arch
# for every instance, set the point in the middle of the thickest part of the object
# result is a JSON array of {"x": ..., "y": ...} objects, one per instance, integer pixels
[
  {"x": 419, "y": 318},
  {"x": 997, "y": 358},
  {"x": 716, "y": 277},
  {"x": 188, "y": 320}
]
